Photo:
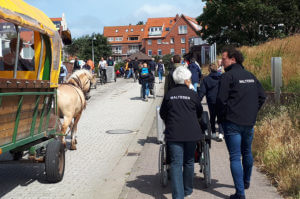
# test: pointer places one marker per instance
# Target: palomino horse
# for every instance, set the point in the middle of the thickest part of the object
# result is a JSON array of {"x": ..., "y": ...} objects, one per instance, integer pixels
[{"x": 71, "y": 101}]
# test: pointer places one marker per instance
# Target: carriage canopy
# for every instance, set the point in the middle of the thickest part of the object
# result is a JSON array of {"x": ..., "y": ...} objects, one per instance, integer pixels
[{"x": 30, "y": 45}]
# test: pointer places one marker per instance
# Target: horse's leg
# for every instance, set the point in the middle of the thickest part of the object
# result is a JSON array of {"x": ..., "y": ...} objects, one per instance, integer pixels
[
  {"x": 65, "y": 125},
  {"x": 73, "y": 132}
]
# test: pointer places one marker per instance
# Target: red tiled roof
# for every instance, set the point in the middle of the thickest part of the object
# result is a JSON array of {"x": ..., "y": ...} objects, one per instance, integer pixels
[
  {"x": 56, "y": 19},
  {"x": 165, "y": 22},
  {"x": 110, "y": 31}
]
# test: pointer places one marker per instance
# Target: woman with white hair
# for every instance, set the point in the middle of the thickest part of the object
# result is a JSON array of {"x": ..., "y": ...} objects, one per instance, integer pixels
[{"x": 180, "y": 110}]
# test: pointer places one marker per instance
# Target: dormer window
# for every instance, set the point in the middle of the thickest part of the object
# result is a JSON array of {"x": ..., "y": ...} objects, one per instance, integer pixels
[
  {"x": 142, "y": 29},
  {"x": 155, "y": 31},
  {"x": 126, "y": 30},
  {"x": 131, "y": 29},
  {"x": 117, "y": 30}
]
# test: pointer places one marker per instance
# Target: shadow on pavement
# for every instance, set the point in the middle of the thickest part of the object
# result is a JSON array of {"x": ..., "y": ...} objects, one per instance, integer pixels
[
  {"x": 136, "y": 98},
  {"x": 149, "y": 140},
  {"x": 20, "y": 174},
  {"x": 150, "y": 185},
  {"x": 199, "y": 184}
]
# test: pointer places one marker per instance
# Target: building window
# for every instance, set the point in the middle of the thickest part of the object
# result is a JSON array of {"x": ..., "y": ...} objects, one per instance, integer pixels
[
  {"x": 183, "y": 40},
  {"x": 149, "y": 42},
  {"x": 182, "y": 51},
  {"x": 172, "y": 51},
  {"x": 149, "y": 52},
  {"x": 110, "y": 39},
  {"x": 131, "y": 29},
  {"x": 172, "y": 41},
  {"x": 142, "y": 29},
  {"x": 159, "y": 41},
  {"x": 168, "y": 29},
  {"x": 116, "y": 49},
  {"x": 119, "y": 38},
  {"x": 159, "y": 52},
  {"x": 126, "y": 30},
  {"x": 182, "y": 29},
  {"x": 133, "y": 38},
  {"x": 117, "y": 30}
]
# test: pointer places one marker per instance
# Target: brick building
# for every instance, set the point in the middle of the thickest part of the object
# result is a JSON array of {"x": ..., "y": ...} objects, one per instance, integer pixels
[
  {"x": 159, "y": 36},
  {"x": 124, "y": 40}
]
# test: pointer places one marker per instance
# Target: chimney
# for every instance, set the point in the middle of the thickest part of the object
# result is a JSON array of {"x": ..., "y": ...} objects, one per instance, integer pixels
[{"x": 176, "y": 17}]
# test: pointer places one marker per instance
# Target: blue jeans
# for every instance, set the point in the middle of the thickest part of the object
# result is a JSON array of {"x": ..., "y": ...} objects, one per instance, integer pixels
[
  {"x": 182, "y": 154},
  {"x": 195, "y": 86},
  {"x": 238, "y": 140},
  {"x": 145, "y": 87},
  {"x": 160, "y": 75},
  {"x": 130, "y": 73}
]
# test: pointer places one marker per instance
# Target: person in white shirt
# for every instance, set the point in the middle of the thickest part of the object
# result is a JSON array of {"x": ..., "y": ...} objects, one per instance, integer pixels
[{"x": 102, "y": 68}]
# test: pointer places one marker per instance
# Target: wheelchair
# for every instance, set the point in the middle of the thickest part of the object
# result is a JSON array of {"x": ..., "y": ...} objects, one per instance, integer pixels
[{"x": 202, "y": 155}]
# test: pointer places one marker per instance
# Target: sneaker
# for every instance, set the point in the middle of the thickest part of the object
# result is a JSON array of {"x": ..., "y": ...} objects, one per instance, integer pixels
[
  {"x": 237, "y": 196},
  {"x": 246, "y": 185},
  {"x": 220, "y": 137}
]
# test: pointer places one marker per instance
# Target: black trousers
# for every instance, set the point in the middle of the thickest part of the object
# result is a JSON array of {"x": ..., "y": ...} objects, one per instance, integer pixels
[{"x": 213, "y": 115}]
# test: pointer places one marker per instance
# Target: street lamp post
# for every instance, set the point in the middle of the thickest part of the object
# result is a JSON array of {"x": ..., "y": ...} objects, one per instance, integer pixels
[{"x": 94, "y": 38}]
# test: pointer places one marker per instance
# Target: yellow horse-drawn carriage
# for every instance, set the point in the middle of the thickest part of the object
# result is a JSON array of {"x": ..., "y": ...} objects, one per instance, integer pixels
[{"x": 30, "y": 53}]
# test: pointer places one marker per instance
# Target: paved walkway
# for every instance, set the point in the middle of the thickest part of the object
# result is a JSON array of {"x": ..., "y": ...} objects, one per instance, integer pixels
[
  {"x": 144, "y": 183},
  {"x": 102, "y": 162}
]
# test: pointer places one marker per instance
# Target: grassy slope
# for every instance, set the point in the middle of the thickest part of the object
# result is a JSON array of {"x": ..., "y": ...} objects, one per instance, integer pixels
[{"x": 258, "y": 61}]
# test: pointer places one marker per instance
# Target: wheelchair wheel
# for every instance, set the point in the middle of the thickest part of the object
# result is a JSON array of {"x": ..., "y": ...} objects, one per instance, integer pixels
[
  {"x": 207, "y": 172},
  {"x": 162, "y": 165}
]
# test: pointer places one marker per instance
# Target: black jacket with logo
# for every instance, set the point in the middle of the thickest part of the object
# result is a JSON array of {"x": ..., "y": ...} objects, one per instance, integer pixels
[
  {"x": 180, "y": 110},
  {"x": 240, "y": 96}
]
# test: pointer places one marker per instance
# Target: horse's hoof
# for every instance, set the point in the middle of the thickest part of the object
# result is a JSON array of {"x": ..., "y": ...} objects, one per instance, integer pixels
[{"x": 73, "y": 147}]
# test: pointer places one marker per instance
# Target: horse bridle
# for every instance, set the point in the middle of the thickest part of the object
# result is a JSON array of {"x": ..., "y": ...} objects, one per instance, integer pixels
[{"x": 79, "y": 84}]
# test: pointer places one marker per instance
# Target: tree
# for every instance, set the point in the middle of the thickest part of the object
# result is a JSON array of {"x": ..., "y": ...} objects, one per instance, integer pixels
[
  {"x": 140, "y": 23},
  {"x": 82, "y": 47},
  {"x": 248, "y": 22}
]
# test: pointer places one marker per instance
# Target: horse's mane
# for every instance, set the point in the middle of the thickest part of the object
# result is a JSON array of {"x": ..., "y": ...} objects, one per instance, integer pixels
[{"x": 77, "y": 74}]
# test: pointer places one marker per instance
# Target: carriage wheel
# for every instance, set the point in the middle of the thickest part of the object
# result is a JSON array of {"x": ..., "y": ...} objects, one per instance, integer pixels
[
  {"x": 162, "y": 165},
  {"x": 207, "y": 173},
  {"x": 55, "y": 161}
]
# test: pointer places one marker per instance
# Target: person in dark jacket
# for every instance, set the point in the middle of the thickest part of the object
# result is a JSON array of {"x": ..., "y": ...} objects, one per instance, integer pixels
[
  {"x": 180, "y": 110},
  {"x": 76, "y": 65},
  {"x": 196, "y": 73},
  {"x": 160, "y": 70},
  {"x": 135, "y": 66},
  {"x": 145, "y": 78},
  {"x": 152, "y": 66},
  {"x": 86, "y": 66},
  {"x": 169, "y": 82},
  {"x": 209, "y": 88},
  {"x": 239, "y": 99}
]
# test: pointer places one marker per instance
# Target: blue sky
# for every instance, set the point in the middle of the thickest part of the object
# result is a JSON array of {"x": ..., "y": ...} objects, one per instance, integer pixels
[{"x": 88, "y": 16}]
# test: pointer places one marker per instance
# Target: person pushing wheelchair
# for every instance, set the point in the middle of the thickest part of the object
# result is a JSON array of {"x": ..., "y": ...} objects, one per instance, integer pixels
[{"x": 180, "y": 110}]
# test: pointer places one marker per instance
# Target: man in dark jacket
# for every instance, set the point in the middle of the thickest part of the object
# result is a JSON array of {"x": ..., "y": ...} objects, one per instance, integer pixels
[
  {"x": 135, "y": 66},
  {"x": 209, "y": 88},
  {"x": 196, "y": 73},
  {"x": 180, "y": 110},
  {"x": 239, "y": 99},
  {"x": 169, "y": 82}
]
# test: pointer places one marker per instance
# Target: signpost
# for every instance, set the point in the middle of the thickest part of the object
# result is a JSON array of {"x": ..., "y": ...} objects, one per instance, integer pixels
[{"x": 276, "y": 76}]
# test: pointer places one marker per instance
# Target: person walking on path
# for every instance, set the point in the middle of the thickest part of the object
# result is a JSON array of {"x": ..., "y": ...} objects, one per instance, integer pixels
[
  {"x": 76, "y": 65},
  {"x": 169, "y": 82},
  {"x": 110, "y": 61},
  {"x": 160, "y": 70},
  {"x": 102, "y": 68},
  {"x": 209, "y": 88},
  {"x": 63, "y": 73},
  {"x": 135, "y": 66},
  {"x": 86, "y": 66},
  {"x": 144, "y": 79},
  {"x": 130, "y": 66},
  {"x": 180, "y": 110},
  {"x": 152, "y": 66},
  {"x": 196, "y": 73},
  {"x": 239, "y": 99}
]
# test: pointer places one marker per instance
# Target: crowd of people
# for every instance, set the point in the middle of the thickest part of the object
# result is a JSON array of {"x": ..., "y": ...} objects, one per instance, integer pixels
[{"x": 234, "y": 99}]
